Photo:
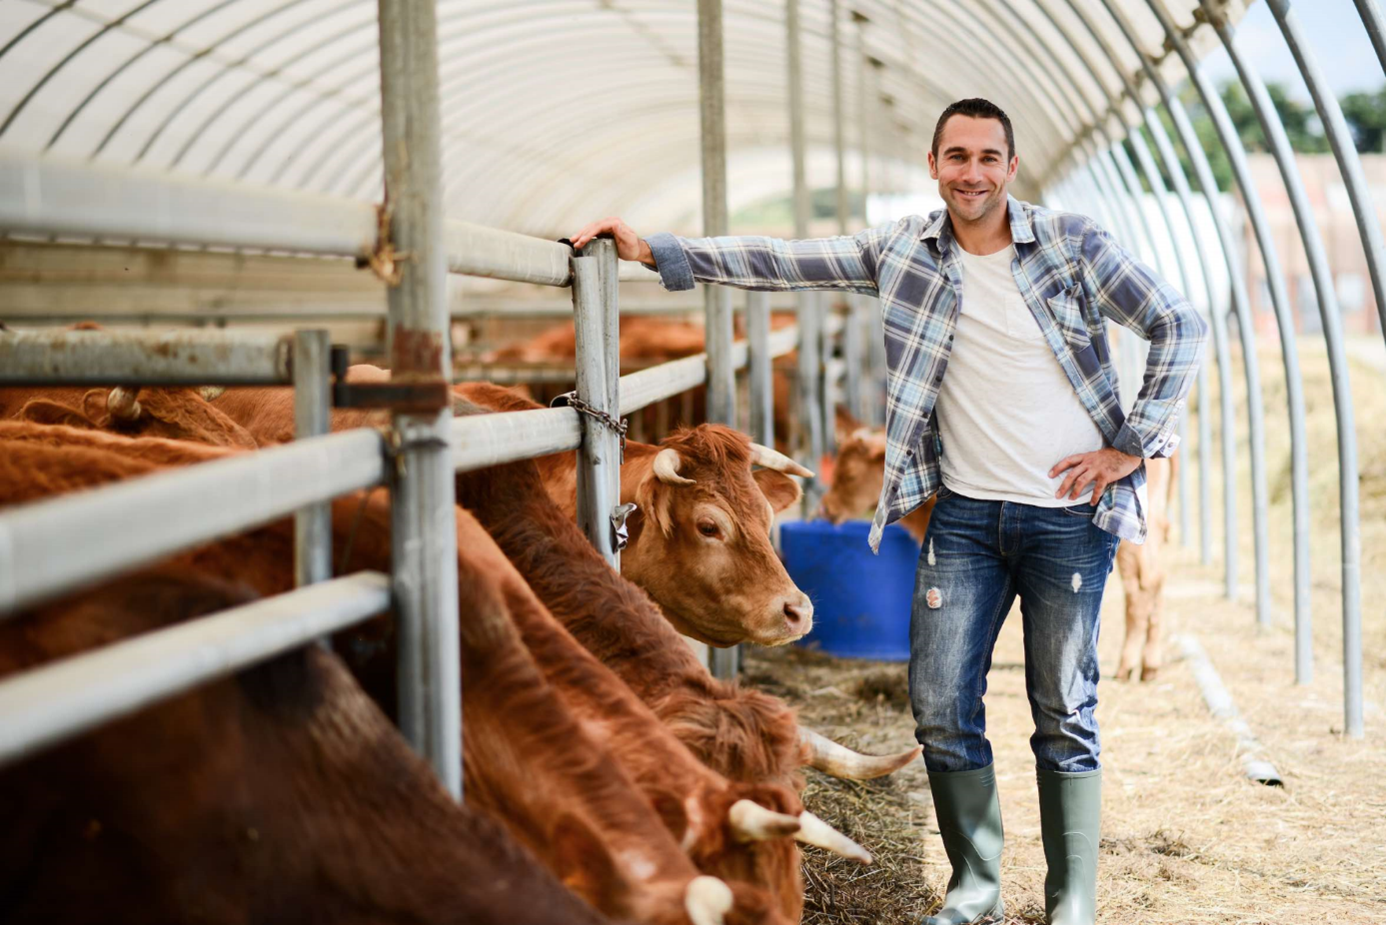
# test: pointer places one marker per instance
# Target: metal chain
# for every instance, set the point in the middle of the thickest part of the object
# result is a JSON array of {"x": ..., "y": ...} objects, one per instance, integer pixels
[{"x": 619, "y": 425}]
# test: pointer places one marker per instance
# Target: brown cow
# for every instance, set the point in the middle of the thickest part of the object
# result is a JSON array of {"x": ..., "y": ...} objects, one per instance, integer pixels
[
  {"x": 706, "y": 557},
  {"x": 1143, "y": 576},
  {"x": 529, "y": 756},
  {"x": 857, "y": 479},
  {"x": 172, "y": 413},
  {"x": 700, "y": 538},
  {"x": 282, "y": 794},
  {"x": 743, "y": 734}
]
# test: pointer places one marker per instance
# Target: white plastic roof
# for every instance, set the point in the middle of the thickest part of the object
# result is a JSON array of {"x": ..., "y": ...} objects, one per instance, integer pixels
[{"x": 554, "y": 111}]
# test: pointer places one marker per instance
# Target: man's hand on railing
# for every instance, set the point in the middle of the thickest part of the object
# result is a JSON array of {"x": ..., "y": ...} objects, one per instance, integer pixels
[{"x": 629, "y": 245}]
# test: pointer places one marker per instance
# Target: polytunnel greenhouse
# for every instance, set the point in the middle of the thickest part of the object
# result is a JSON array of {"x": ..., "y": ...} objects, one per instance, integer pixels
[{"x": 490, "y": 462}]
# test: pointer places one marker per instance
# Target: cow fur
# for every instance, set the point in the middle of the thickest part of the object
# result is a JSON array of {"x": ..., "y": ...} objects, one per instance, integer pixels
[{"x": 280, "y": 794}]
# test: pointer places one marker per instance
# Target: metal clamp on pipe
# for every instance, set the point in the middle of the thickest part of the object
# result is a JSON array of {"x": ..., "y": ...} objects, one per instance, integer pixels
[{"x": 413, "y": 396}]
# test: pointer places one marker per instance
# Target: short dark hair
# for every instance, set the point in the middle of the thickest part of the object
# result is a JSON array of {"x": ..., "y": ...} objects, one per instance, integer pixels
[{"x": 977, "y": 109}]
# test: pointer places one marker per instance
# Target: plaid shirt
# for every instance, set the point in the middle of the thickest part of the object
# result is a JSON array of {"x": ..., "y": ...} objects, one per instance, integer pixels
[{"x": 1071, "y": 274}]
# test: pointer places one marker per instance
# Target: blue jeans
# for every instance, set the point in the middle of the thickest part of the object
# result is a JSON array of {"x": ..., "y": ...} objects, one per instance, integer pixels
[{"x": 977, "y": 557}]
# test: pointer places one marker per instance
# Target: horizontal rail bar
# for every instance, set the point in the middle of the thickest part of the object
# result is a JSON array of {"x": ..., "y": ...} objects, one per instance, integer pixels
[
  {"x": 482, "y": 440},
  {"x": 476, "y": 250},
  {"x": 58, "y": 544},
  {"x": 56, "y": 196},
  {"x": 42, "y": 707},
  {"x": 143, "y": 358},
  {"x": 660, "y": 382},
  {"x": 657, "y": 383}
]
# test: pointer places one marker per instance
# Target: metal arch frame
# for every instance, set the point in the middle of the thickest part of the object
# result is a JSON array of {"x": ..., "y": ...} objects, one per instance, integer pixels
[
  {"x": 1369, "y": 230},
  {"x": 1240, "y": 304},
  {"x": 1331, "y": 318},
  {"x": 1280, "y": 302},
  {"x": 1344, "y": 151},
  {"x": 1375, "y": 24},
  {"x": 1151, "y": 170}
]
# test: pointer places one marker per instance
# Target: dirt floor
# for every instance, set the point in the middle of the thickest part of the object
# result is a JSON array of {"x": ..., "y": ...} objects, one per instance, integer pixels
[{"x": 1187, "y": 838}]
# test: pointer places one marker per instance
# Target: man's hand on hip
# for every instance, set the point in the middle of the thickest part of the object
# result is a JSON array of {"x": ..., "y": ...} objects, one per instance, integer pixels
[
  {"x": 1101, "y": 467},
  {"x": 629, "y": 245}
]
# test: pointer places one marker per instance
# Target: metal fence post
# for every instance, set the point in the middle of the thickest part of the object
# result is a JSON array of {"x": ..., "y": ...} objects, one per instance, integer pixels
[
  {"x": 810, "y": 315},
  {"x": 312, "y": 417},
  {"x": 721, "y": 377},
  {"x": 424, "y": 530},
  {"x": 1369, "y": 227},
  {"x": 596, "y": 320},
  {"x": 759, "y": 362}
]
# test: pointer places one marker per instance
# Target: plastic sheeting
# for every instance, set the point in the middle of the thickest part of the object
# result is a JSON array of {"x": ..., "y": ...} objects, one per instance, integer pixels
[{"x": 554, "y": 111}]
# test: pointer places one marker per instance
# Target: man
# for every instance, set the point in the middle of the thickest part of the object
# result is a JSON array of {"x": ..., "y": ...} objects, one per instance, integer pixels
[{"x": 1011, "y": 299}]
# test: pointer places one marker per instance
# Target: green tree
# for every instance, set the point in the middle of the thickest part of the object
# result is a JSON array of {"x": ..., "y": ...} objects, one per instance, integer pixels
[{"x": 1366, "y": 117}]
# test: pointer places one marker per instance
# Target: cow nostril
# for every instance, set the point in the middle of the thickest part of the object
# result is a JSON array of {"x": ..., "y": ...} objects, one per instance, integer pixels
[{"x": 797, "y": 617}]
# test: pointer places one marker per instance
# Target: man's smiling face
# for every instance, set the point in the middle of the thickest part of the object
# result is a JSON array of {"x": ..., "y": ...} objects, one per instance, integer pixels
[{"x": 973, "y": 167}]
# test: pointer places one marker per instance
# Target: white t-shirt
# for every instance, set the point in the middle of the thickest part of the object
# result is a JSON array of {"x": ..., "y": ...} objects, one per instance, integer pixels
[{"x": 1006, "y": 412}]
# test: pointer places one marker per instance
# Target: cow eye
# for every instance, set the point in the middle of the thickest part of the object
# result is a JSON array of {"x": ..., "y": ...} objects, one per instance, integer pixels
[{"x": 708, "y": 528}]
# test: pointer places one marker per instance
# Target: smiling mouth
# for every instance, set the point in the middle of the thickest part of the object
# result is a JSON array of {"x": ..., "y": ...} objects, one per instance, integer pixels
[{"x": 970, "y": 193}]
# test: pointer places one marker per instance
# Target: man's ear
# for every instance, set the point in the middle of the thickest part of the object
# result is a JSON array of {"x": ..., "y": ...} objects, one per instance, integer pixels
[
  {"x": 1015, "y": 168},
  {"x": 779, "y": 489},
  {"x": 933, "y": 166}
]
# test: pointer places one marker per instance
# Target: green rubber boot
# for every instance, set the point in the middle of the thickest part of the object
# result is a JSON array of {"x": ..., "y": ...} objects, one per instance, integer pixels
[
  {"x": 969, "y": 819},
  {"x": 1070, "y": 821}
]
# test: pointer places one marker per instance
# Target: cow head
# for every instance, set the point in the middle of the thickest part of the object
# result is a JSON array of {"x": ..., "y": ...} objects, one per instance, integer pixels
[
  {"x": 859, "y": 470},
  {"x": 700, "y": 541}
]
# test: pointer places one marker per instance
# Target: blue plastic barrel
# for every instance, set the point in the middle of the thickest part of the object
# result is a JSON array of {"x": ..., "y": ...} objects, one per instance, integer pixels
[{"x": 861, "y": 602}]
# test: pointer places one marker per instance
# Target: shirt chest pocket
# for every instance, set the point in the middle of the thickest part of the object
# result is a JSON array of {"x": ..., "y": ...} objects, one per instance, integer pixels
[{"x": 1067, "y": 309}]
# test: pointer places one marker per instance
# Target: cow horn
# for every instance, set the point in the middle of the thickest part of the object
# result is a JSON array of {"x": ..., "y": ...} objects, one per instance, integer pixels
[
  {"x": 814, "y": 831},
  {"x": 666, "y": 468},
  {"x": 750, "y": 822},
  {"x": 122, "y": 405},
  {"x": 707, "y": 900},
  {"x": 767, "y": 458},
  {"x": 840, "y": 761}
]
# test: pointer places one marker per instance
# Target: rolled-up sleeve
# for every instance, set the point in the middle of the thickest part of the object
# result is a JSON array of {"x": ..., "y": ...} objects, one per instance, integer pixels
[
  {"x": 1134, "y": 296},
  {"x": 847, "y": 263}
]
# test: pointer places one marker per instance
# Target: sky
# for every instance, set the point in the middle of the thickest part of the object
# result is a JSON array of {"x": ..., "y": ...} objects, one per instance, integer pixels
[{"x": 1335, "y": 34}]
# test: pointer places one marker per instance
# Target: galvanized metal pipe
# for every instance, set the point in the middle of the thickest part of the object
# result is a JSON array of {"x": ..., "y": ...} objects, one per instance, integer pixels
[
  {"x": 1280, "y": 302},
  {"x": 1369, "y": 227},
  {"x": 1222, "y": 353},
  {"x": 63, "y": 544},
  {"x": 57, "y": 196},
  {"x": 1240, "y": 304},
  {"x": 721, "y": 379},
  {"x": 1331, "y": 321},
  {"x": 424, "y": 527},
  {"x": 481, "y": 440},
  {"x": 143, "y": 358},
  {"x": 1375, "y": 23},
  {"x": 762, "y": 386},
  {"x": 598, "y": 371},
  {"x": 480, "y": 251},
  {"x": 45, "y": 706},
  {"x": 312, "y": 371}
]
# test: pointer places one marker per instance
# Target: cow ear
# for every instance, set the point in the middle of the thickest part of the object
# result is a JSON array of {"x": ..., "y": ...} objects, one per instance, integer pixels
[
  {"x": 671, "y": 812},
  {"x": 584, "y": 863},
  {"x": 652, "y": 499},
  {"x": 875, "y": 444},
  {"x": 779, "y": 489},
  {"x": 846, "y": 424}
]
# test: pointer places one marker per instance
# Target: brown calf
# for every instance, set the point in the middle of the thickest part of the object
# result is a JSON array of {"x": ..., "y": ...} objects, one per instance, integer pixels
[
  {"x": 1143, "y": 576},
  {"x": 172, "y": 413},
  {"x": 281, "y": 794}
]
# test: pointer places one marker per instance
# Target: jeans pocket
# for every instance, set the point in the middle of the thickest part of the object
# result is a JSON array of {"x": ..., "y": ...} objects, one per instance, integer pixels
[
  {"x": 1081, "y": 510},
  {"x": 943, "y": 493}
]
